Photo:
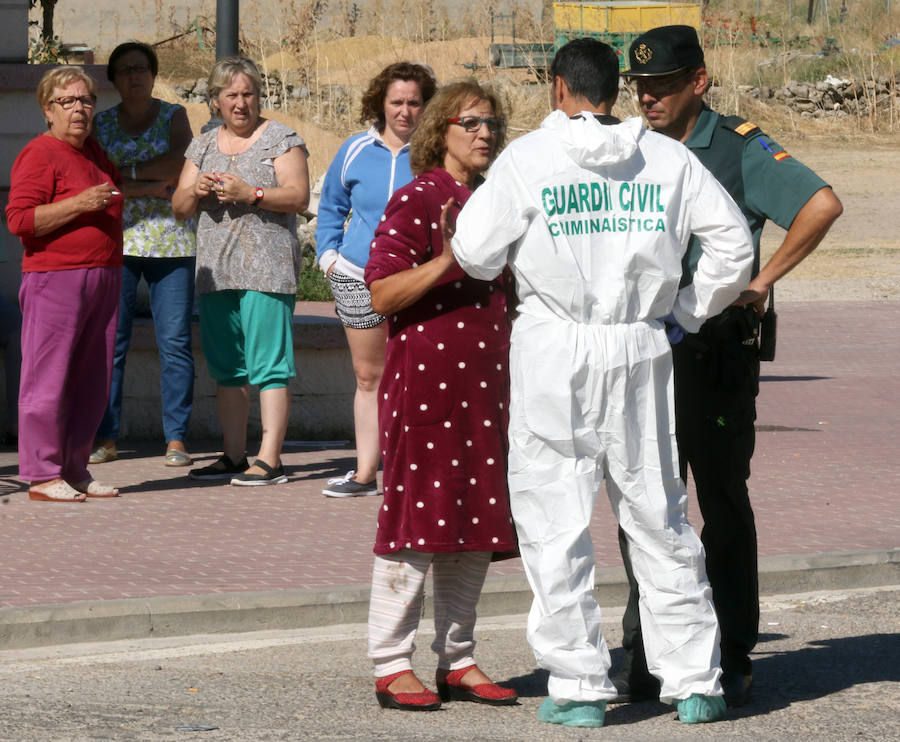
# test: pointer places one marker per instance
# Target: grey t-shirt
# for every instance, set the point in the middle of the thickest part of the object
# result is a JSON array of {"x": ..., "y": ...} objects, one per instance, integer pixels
[{"x": 240, "y": 246}]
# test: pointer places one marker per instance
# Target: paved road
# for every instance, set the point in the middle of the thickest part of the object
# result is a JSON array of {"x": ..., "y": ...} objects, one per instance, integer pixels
[
  {"x": 825, "y": 481},
  {"x": 827, "y": 668}
]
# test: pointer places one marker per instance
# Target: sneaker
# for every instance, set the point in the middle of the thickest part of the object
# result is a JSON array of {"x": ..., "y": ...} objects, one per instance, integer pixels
[
  {"x": 222, "y": 468},
  {"x": 347, "y": 486},
  {"x": 273, "y": 475}
]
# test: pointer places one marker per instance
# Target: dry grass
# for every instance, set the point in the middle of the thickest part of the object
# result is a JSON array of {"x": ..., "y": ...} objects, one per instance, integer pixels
[{"x": 333, "y": 47}]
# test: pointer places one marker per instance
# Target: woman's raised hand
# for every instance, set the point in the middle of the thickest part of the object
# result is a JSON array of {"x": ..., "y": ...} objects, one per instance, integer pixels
[{"x": 448, "y": 226}]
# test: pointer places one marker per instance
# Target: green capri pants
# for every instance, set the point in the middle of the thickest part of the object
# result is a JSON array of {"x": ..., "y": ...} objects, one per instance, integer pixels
[{"x": 247, "y": 337}]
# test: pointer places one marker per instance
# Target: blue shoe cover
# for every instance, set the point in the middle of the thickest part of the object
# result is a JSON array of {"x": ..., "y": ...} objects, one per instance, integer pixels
[
  {"x": 573, "y": 713},
  {"x": 698, "y": 708}
]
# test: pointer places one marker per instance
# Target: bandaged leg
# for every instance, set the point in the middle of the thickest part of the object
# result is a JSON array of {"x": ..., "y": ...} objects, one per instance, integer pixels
[{"x": 398, "y": 588}]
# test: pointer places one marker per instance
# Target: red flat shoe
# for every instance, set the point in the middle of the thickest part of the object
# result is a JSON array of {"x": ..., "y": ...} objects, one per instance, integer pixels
[
  {"x": 451, "y": 688},
  {"x": 424, "y": 700}
]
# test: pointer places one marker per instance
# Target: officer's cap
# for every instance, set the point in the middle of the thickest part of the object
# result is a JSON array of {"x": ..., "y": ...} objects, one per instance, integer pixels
[{"x": 664, "y": 51}]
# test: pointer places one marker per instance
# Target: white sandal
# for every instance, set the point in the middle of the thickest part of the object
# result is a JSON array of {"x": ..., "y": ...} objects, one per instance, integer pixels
[
  {"x": 56, "y": 490},
  {"x": 93, "y": 488}
]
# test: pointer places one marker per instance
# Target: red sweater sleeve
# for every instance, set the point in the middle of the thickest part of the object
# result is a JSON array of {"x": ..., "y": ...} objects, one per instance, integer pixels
[{"x": 32, "y": 185}]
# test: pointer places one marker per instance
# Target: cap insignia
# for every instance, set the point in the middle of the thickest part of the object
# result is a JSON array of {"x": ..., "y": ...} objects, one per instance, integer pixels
[{"x": 643, "y": 54}]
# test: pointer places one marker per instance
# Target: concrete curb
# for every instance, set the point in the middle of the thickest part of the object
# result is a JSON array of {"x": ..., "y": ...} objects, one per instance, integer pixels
[{"x": 136, "y": 618}]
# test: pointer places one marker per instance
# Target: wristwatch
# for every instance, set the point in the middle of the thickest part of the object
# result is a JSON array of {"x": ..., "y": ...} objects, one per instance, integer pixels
[{"x": 259, "y": 193}]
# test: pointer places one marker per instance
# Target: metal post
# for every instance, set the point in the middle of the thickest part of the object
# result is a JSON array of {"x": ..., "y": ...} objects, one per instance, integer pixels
[
  {"x": 227, "y": 13},
  {"x": 227, "y": 28}
]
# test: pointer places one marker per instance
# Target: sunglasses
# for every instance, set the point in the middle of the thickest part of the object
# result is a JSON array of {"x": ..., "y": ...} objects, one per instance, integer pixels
[
  {"x": 473, "y": 123},
  {"x": 660, "y": 87},
  {"x": 67, "y": 102}
]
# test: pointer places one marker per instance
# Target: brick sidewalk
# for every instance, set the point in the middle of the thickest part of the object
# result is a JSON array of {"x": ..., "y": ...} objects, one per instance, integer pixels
[{"x": 825, "y": 478}]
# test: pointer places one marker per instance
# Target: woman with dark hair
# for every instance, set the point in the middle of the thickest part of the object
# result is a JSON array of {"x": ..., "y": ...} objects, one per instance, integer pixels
[
  {"x": 367, "y": 169},
  {"x": 442, "y": 410},
  {"x": 66, "y": 207},
  {"x": 146, "y": 138},
  {"x": 248, "y": 179}
]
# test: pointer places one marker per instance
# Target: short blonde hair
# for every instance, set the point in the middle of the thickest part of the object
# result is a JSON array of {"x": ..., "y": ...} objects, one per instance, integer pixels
[
  {"x": 428, "y": 145},
  {"x": 61, "y": 77},
  {"x": 224, "y": 71}
]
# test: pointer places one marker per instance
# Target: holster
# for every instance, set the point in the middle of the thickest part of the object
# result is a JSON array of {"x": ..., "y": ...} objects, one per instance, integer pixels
[{"x": 768, "y": 327}]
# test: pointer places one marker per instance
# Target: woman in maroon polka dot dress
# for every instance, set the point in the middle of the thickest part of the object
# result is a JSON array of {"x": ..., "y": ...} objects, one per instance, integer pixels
[{"x": 442, "y": 412}]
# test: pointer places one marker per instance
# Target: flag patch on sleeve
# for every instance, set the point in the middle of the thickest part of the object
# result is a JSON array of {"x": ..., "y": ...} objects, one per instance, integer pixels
[{"x": 779, "y": 155}]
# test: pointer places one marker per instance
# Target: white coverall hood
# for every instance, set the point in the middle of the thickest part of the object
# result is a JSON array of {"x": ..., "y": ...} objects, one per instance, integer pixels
[{"x": 592, "y": 144}]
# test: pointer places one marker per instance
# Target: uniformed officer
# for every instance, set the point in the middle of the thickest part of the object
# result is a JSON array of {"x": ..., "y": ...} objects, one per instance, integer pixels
[{"x": 717, "y": 369}]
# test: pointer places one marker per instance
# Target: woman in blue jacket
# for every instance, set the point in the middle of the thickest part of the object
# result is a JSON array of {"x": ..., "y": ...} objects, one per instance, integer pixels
[{"x": 366, "y": 171}]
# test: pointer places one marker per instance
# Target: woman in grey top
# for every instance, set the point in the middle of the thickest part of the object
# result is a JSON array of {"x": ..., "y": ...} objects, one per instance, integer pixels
[{"x": 247, "y": 179}]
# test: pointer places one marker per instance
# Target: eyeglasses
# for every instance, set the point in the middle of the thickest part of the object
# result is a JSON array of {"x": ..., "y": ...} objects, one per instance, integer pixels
[
  {"x": 132, "y": 69},
  {"x": 473, "y": 123},
  {"x": 67, "y": 102},
  {"x": 660, "y": 87}
]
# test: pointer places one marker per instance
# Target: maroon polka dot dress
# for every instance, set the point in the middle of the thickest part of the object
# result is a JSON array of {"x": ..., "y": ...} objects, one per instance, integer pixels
[{"x": 442, "y": 403}]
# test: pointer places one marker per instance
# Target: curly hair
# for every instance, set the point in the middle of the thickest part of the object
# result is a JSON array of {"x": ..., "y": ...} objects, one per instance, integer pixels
[
  {"x": 429, "y": 141},
  {"x": 373, "y": 99}
]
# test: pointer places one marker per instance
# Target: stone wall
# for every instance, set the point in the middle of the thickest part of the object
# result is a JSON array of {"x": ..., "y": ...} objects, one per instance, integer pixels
[
  {"x": 321, "y": 394},
  {"x": 830, "y": 98}
]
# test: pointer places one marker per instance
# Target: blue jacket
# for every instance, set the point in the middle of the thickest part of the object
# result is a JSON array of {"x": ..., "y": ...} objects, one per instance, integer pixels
[{"x": 361, "y": 179}]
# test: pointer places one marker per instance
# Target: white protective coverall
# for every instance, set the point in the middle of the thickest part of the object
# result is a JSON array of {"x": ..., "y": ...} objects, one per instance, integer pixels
[{"x": 593, "y": 219}]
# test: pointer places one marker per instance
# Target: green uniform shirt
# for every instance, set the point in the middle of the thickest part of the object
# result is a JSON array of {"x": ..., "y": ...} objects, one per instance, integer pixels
[{"x": 763, "y": 179}]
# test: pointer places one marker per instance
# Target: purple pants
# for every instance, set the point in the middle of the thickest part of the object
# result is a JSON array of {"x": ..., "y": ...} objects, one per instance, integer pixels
[{"x": 68, "y": 336}]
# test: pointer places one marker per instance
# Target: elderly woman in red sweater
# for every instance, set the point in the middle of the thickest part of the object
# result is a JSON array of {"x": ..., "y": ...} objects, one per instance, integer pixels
[{"x": 65, "y": 205}]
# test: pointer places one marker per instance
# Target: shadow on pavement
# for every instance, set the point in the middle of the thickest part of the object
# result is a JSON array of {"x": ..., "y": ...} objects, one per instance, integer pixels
[
  {"x": 781, "y": 679},
  {"x": 821, "y": 669},
  {"x": 794, "y": 378},
  {"x": 178, "y": 477}
]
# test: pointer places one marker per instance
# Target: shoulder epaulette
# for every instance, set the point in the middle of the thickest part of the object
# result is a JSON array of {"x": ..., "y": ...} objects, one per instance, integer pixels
[
  {"x": 751, "y": 132},
  {"x": 740, "y": 126}
]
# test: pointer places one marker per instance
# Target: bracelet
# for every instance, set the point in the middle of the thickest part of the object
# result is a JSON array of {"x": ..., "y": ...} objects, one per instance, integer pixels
[{"x": 133, "y": 171}]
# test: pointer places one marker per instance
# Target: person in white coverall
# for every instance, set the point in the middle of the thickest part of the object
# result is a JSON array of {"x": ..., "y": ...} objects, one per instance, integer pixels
[{"x": 593, "y": 216}]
